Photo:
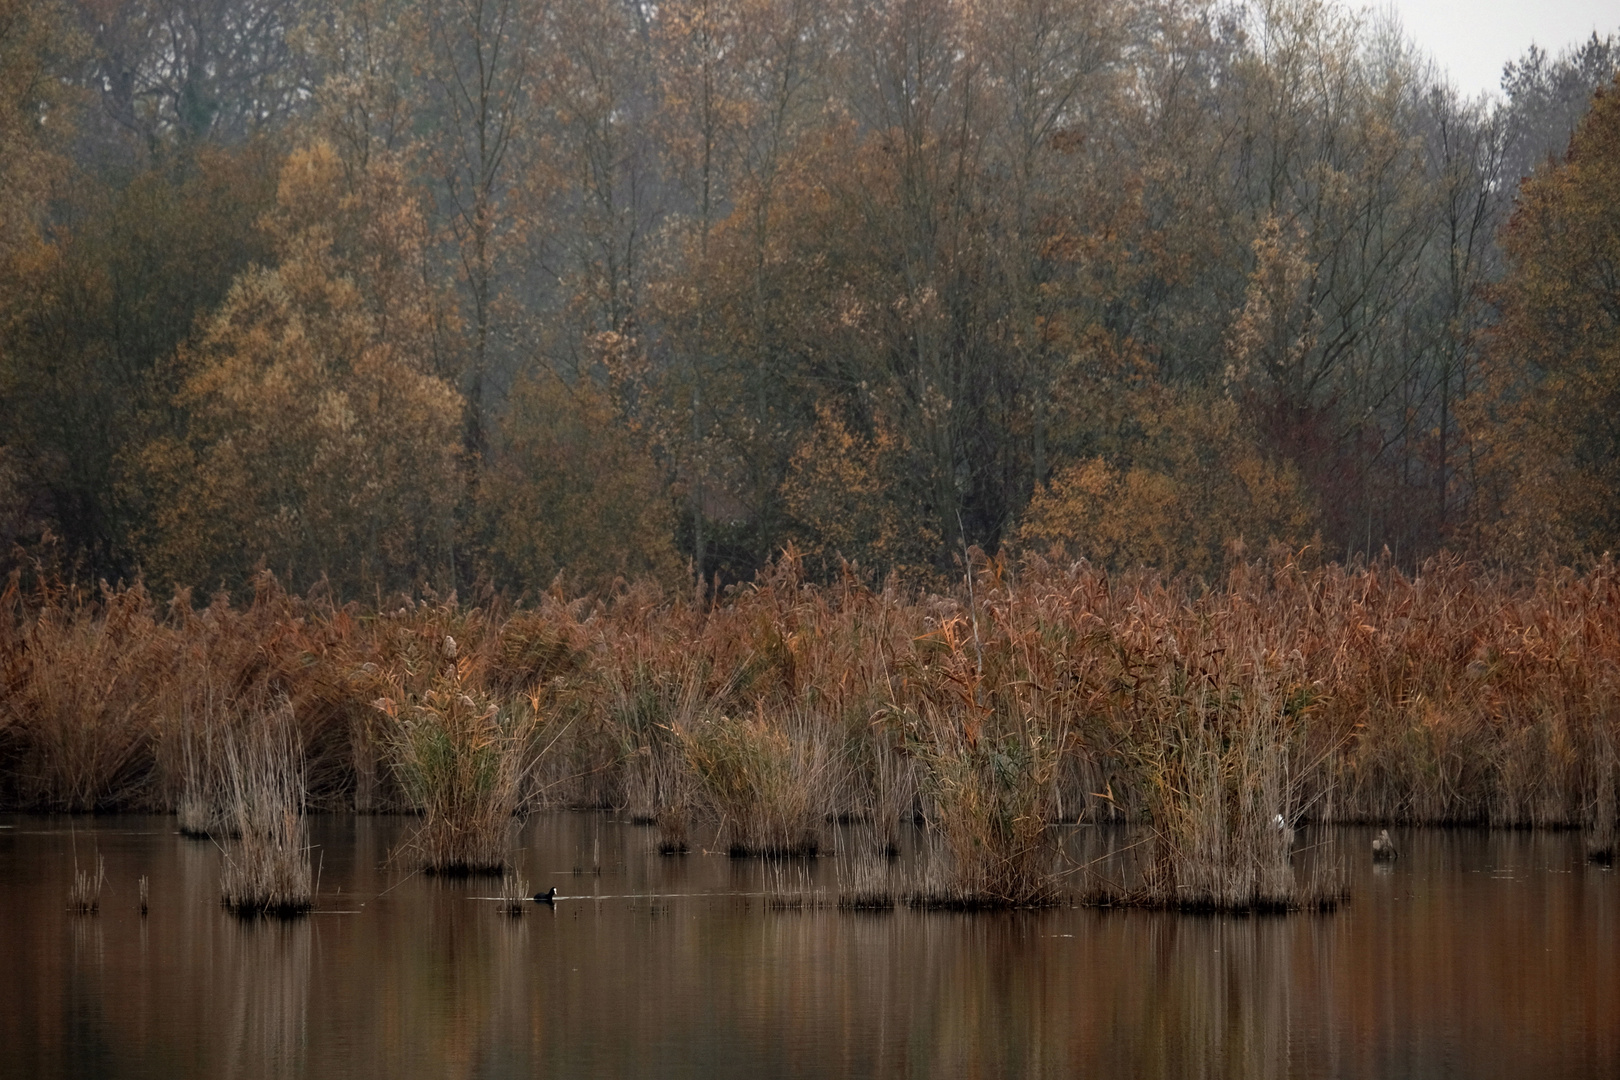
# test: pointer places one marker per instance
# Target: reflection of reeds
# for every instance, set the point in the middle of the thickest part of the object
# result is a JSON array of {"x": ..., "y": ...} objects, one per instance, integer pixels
[
  {"x": 262, "y": 1004},
  {"x": 85, "y": 896},
  {"x": 267, "y": 867}
]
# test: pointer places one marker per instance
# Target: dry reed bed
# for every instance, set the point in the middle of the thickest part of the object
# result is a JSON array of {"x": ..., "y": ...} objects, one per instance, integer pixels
[{"x": 1056, "y": 693}]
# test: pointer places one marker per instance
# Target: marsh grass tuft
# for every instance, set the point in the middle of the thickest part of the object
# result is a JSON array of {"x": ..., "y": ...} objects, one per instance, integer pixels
[
  {"x": 761, "y": 778},
  {"x": 790, "y": 887},
  {"x": 267, "y": 868},
  {"x": 1601, "y": 804},
  {"x": 1222, "y": 780},
  {"x": 515, "y": 897},
  {"x": 85, "y": 896},
  {"x": 988, "y": 794},
  {"x": 865, "y": 883}
]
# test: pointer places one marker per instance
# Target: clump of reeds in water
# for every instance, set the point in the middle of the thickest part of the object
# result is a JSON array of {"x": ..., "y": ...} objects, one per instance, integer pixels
[
  {"x": 85, "y": 896},
  {"x": 1601, "y": 802},
  {"x": 1219, "y": 777},
  {"x": 199, "y": 807},
  {"x": 672, "y": 831},
  {"x": 267, "y": 867},
  {"x": 990, "y": 817},
  {"x": 789, "y": 887},
  {"x": 865, "y": 884},
  {"x": 514, "y": 894},
  {"x": 761, "y": 778},
  {"x": 460, "y": 759}
]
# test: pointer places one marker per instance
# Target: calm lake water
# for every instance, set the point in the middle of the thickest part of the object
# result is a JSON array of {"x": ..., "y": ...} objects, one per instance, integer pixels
[{"x": 1478, "y": 954}]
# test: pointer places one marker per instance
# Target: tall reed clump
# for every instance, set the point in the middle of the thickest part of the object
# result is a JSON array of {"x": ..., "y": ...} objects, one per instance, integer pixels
[
  {"x": 989, "y": 799},
  {"x": 1218, "y": 780},
  {"x": 649, "y": 711},
  {"x": 267, "y": 869},
  {"x": 200, "y": 805},
  {"x": 986, "y": 741},
  {"x": 83, "y": 674},
  {"x": 761, "y": 776},
  {"x": 1603, "y": 806},
  {"x": 461, "y": 758}
]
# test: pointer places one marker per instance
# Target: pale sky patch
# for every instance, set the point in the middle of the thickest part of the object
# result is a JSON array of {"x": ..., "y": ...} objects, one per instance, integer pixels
[{"x": 1472, "y": 39}]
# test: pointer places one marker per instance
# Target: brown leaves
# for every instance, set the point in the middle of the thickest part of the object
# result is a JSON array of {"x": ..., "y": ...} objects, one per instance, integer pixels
[{"x": 1544, "y": 422}]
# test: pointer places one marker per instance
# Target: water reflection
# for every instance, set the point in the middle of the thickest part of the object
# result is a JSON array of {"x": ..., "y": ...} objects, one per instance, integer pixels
[
  {"x": 267, "y": 997},
  {"x": 1474, "y": 954}
]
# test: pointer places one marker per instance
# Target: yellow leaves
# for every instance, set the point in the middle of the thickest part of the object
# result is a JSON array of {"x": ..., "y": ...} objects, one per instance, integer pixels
[
  {"x": 1542, "y": 424},
  {"x": 320, "y": 439},
  {"x": 1192, "y": 486},
  {"x": 846, "y": 494},
  {"x": 1276, "y": 327},
  {"x": 572, "y": 490}
]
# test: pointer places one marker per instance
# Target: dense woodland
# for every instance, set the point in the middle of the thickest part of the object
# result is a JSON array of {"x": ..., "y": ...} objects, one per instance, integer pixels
[{"x": 408, "y": 296}]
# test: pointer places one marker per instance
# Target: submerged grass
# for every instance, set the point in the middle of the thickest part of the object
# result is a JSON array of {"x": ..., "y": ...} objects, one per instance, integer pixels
[{"x": 1201, "y": 714}]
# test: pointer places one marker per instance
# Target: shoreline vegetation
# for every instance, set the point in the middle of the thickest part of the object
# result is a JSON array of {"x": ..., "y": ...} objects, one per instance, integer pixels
[{"x": 1213, "y": 720}]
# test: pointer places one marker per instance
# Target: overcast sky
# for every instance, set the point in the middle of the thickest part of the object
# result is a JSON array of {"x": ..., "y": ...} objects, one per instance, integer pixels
[{"x": 1474, "y": 38}]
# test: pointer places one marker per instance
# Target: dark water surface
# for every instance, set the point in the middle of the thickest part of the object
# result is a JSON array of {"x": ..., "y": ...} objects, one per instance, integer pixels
[{"x": 1476, "y": 955}]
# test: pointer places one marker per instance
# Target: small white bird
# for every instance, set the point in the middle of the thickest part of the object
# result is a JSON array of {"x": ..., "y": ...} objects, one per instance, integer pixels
[{"x": 1283, "y": 827}]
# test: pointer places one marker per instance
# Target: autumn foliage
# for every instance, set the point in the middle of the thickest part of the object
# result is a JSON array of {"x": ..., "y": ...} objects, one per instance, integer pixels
[{"x": 398, "y": 298}]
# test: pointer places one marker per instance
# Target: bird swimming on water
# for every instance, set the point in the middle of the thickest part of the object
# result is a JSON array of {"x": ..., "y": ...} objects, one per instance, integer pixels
[
  {"x": 548, "y": 897},
  {"x": 1384, "y": 847}
]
